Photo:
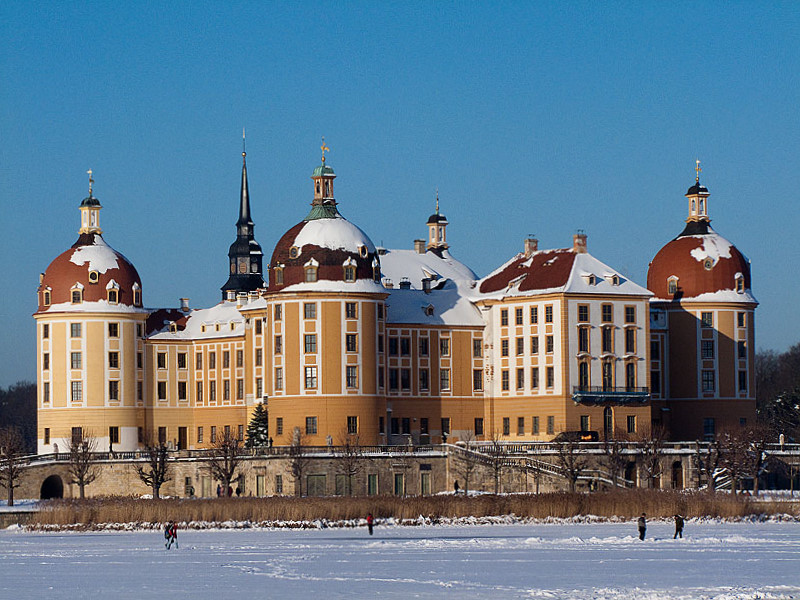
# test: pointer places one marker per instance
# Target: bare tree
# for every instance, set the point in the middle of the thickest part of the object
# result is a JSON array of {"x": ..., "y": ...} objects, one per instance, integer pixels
[
  {"x": 573, "y": 461},
  {"x": 613, "y": 458},
  {"x": 467, "y": 461},
  {"x": 225, "y": 458},
  {"x": 298, "y": 459},
  {"x": 82, "y": 467},
  {"x": 12, "y": 451},
  {"x": 498, "y": 454},
  {"x": 709, "y": 465},
  {"x": 156, "y": 471},
  {"x": 350, "y": 458},
  {"x": 758, "y": 436},
  {"x": 734, "y": 448},
  {"x": 650, "y": 443}
]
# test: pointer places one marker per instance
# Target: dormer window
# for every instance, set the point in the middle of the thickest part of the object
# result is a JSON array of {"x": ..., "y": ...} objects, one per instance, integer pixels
[
  {"x": 113, "y": 292},
  {"x": 740, "y": 283},
  {"x": 428, "y": 310},
  {"x": 350, "y": 270},
  {"x": 294, "y": 252},
  {"x": 363, "y": 251},
  {"x": 137, "y": 295},
  {"x": 94, "y": 276},
  {"x": 46, "y": 297},
  {"x": 590, "y": 279},
  {"x": 672, "y": 285},
  {"x": 615, "y": 280},
  {"x": 311, "y": 270},
  {"x": 77, "y": 294},
  {"x": 278, "y": 275}
]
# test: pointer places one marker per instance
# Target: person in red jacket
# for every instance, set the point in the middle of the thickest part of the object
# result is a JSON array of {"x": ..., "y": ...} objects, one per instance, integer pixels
[{"x": 370, "y": 522}]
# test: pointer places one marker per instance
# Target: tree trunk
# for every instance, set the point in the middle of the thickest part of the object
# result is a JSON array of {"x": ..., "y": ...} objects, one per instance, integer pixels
[
  {"x": 10, "y": 493},
  {"x": 80, "y": 487}
]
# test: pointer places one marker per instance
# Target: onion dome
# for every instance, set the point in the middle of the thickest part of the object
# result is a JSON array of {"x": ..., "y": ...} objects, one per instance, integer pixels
[
  {"x": 700, "y": 264},
  {"x": 325, "y": 251},
  {"x": 91, "y": 275}
]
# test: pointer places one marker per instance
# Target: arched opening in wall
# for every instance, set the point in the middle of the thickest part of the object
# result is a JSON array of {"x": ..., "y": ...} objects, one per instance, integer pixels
[
  {"x": 677, "y": 475},
  {"x": 630, "y": 472},
  {"x": 52, "y": 487}
]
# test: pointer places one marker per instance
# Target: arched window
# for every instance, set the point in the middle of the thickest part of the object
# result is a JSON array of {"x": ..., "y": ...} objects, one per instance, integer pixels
[
  {"x": 740, "y": 283},
  {"x": 77, "y": 294},
  {"x": 278, "y": 275},
  {"x": 311, "y": 274},
  {"x": 349, "y": 274},
  {"x": 672, "y": 285},
  {"x": 46, "y": 298},
  {"x": 113, "y": 296}
]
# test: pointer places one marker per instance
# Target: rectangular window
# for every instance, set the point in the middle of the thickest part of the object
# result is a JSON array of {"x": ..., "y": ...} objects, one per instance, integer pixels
[
  {"x": 551, "y": 424},
  {"x": 424, "y": 382},
  {"x": 742, "y": 381},
  {"x": 394, "y": 379},
  {"x": 520, "y": 346},
  {"x": 477, "y": 348},
  {"x": 350, "y": 310},
  {"x": 740, "y": 320},
  {"x": 310, "y": 343},
  {"x": 162, "y": 390},
  {"x": 535, "y": 377},
  {"x": 423, "y": 346},
  {"x": 631, "y": 422},
  {"x": 113, "y": 330},
  {"x": 630, "y": 340},
  {"x": 181, "y": 360},
  {"x": 113, "y": 435},
  {"x": 709, "y": 383},
  {"x": 395, "y": 425},
  {"x": 503, "y": 347},
  {"x": 226, "y": 359},
  {"x": 630, "y": 314},
  {"x": 444, "y": 346},
  {"x": 446, "y": 425},
  {"x": 444, "y": 379},
  {"x": 478, "y": 425},
  {"x": 584, "y": 422},
  {"x": 583, "y": 313},
  {"x": 311, "y": 378},
  {"x": 709, "y": 427},
  {"x": 549, "y": 344},
  {"x": 139, "y": 391},
  {"x": 655, "y": 382},
  {"x": 76, "y": 360},
  {"x": 520, "y": 379},
  {"x": 310, "y": 310},
  {"x": 351, "y": 342},
  {"x": 504, "y": 317},
  {"x": 161, "y": 360},
  {"x": 583, "y": 339},
  {"x": 200, "y": 435},
  {"x": 518, "y": 316},
  {"x": 113, "y": 390},
  {"x": 405, "y": 346},
  {"x": 212, "y": 360},
  {"x": 77, "y": 391},
  {"x": 279, "y": 426},
  {"x": 535, "y": 426},
  {"x": 380, "y": 343},
  {"x": 278, "y": 344},
  {"x": 199, "y": 393},
  {"x": 707, "y": 348},
  {"x": 259, "y": 325},
  {"x": 278, "y": 484},
  {"x": 212, "y": 391},
  {"x": 74, "y": 330},
  {"x": 381, "y": 378},
  {"x": 213, "y": 434},
  {"x": 259, "y": 357},
  {"x": 520, "y": 425},
  {"x": 240, "y": 358},
  {"x": 46, "y": 361},
  {"x": 405, "y": 379},
  {"x": 226, "y": 389},
  {"x": 393, "y": 346},
  {"x": 741, "y": 349},
  {"x": 380, "y": 311},
  {"x": 381, "y": 425},
  {"x": 46, "y": 435},
  {"x": 534, "y": 315},
  {"x": 311, "y": 425},
  {"x": 707, "y": 319},
  {"x": 240, "y": 389},
  {"x": 548, "y": 314},
  {"x": 406, "y": 424},
  {"x": 278, "y": 312},
  {"x": 352, "y": 376},
  {"x": 551, "y": 376},
  {"x": 46, "y": 331},
  {"x": 259, "y": 387},
  {"x": 240, "y": 433},
  {"x": 655, "y": 350},
  {"x": 504, "y": 380},
  {"x": 46, "y": 392},
  {"x": 607, "y": 312},
  {"x": 608, "y": 339},
  {"x": 477, "y": 380},
  {"x": 534, "y": 345},
  {"x": 352, "y": 425},
  {"x": 506, "y": 426},
  {"x": 198, "y": 361}
]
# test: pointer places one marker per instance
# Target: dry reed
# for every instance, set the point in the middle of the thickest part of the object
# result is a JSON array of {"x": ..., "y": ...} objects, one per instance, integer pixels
[{"x": 627, "y": 504}]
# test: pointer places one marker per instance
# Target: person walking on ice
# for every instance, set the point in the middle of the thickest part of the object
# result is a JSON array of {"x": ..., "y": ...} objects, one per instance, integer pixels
[
  {"x": 642, "y": 524},
  {"x": 370, "y": 522},
  {"x": 171, "y": 534},
  {"x": 678, "y": 527}
]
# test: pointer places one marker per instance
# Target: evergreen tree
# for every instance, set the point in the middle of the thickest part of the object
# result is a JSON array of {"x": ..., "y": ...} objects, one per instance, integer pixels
[{"x": 258, "y": 429}]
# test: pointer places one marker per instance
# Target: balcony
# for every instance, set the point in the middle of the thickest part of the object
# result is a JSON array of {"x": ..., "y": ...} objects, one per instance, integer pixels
[{"x": 595, "y": 394}]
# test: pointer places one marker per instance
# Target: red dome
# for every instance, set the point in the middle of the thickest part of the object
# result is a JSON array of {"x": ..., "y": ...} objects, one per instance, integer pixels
[
  {"x": 94, "y": 267},
  {"x": 704, "y": 262}
]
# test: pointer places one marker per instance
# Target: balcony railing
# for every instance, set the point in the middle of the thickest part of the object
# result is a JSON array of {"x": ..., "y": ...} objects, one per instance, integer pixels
[{"x": 597, "y": 394}]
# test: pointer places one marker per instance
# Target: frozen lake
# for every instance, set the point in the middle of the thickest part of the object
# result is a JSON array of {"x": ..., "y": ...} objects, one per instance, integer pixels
[{"x": 723, "y": 561}]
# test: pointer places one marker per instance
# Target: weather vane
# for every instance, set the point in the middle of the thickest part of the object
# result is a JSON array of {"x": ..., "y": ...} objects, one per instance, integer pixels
[
  {"x": 698, "y": 169},
  {"x": 91, "y": 181},
  {"x": 437, "y": 200},
  {"x": 324, "y": 148},
  {"x": 243, "y": 146}
]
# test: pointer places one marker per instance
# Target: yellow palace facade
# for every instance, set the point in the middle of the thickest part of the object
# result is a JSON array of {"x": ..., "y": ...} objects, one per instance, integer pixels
[{"x": 338, "y": 338}]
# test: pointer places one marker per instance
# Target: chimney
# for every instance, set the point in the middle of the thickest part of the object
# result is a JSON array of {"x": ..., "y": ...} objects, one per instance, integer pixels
[
  {"x": 388, "y": 284},
  {"x": 579, "y": 242},
  {"x": 405, "y": 283},
  {"x": 426, "y": 285},
  {"x": 231, "y": 295},
  {"x": 419, "y": 246},
  {"x": 531, "y": 245},
  {"x": 184, "y": 305},
  {"x": 241, "y": 299}
]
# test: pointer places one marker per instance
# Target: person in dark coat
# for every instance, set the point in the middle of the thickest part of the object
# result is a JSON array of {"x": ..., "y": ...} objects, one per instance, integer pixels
[
  {"x": 370, "y": 522},
  {"x": 219, "y": 491},
  {"x": 678, "y": 527},
  {"x": 455, "y": 487},
  {"x": 642, "y": 524}
]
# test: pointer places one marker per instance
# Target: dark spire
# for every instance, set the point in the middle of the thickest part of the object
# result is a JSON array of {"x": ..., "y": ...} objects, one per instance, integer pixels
[{"x": 244, "y": 199}]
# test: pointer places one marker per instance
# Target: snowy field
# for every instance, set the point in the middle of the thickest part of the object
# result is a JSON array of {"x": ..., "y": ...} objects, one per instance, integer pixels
[{"x": 723, "y": 561}]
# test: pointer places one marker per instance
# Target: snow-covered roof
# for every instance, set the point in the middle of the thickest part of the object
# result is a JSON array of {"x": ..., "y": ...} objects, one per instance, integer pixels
[
  {"x": 367, "y": 286},
  {"x": 202, "y": 323},
  {"x": 335, "y": 233},
  {"x": 724, "y": 296},
  {"x": 100, "y": 306},
  {"x": 100, "y": 256},
  {"x": 399, "y": 264},
  {"x": 451, "y": 306},
  {"x": 712, "y": 246}
]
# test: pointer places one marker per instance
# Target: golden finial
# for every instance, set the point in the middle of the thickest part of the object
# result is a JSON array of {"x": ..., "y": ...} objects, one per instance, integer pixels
[
  {"x": 243, "y": 145},
  {"x": 697, "y": 170},
  {"x": 437, "y": 200},
  {"x": 91, "y": 181},
  {"x": 324, "y": 148}
]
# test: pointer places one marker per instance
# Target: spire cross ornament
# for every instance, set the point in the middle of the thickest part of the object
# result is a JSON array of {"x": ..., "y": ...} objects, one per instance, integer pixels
[
  {"x": 91, "y": 181},
  {"x": 437, "y": 200},
  {"x": 243, "y": 144},
  {"x": 698, "y": 170},
  {"x": 324, "y": 148}
]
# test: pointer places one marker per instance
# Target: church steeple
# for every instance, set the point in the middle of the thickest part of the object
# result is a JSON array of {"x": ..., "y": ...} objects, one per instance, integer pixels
[
  {"x": 90, "y": 211},
  {"x": 697, "y": 223},
  {"x": 437, "y": 230},
  {"x": 324, "y": 204},
  {"x": 245, "y": 257}
]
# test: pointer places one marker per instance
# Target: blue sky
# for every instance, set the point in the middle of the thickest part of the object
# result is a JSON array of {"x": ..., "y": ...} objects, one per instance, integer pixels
[{"x": 538, "y": 118}]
